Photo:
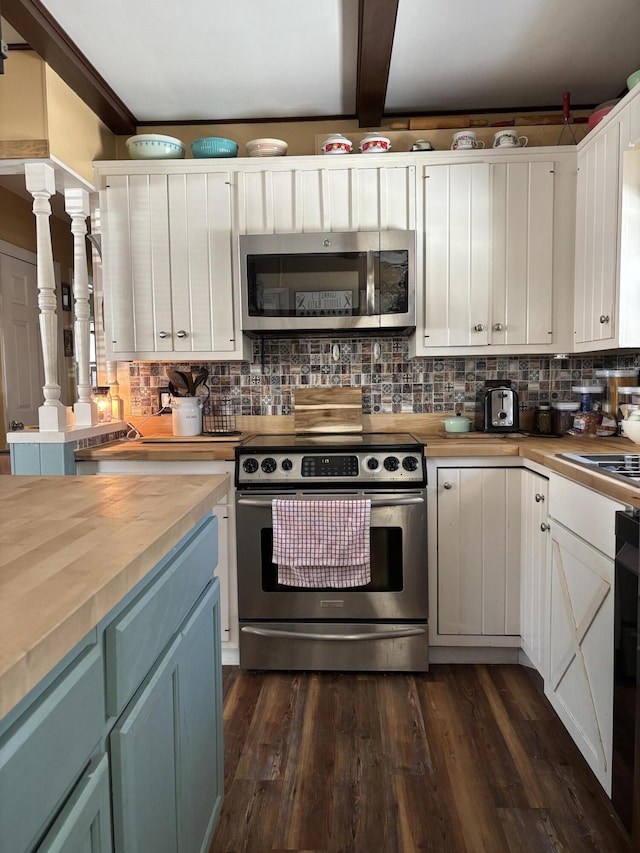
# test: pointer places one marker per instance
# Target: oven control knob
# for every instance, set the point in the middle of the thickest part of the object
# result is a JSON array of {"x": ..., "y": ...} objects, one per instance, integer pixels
[
  {"x": 287, "y": 464},
  {"x": 250, "y": 466},
  {"x": 269, "y": 465},
  {"x": 372, "y": 463},
  {"x": 410, "y": 463},
  {"x": 391, "y": 463}
]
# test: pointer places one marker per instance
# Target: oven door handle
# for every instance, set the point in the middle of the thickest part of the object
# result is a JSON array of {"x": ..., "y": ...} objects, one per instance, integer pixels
[
  {"x": 266, "y": 502},
  {"x": 307, "y": 635}
]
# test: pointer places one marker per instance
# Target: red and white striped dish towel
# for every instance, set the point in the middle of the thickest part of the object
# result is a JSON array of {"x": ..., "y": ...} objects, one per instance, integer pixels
[{"x": 322, "y": 543}]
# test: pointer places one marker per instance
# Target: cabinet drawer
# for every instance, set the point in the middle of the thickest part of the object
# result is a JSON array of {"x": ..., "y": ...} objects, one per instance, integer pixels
[
  {"x": 43, "y": 754},
  {"x": 589, "y": 515},
  {"x": 136, "y": 638}
]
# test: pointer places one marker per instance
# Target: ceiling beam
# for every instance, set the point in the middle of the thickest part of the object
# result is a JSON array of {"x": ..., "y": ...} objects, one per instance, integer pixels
[
  {"x": 376, "y": 27},
  {"x": 35, "y": 24}
]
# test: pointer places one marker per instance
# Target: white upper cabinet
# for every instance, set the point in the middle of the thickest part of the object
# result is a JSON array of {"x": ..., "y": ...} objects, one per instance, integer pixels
[
  {"x": 170, "y": 265},
  {"x": 607, "y": 283},
  {"x": 497, "y": 255},
  {"x": 335, "y": 197}
]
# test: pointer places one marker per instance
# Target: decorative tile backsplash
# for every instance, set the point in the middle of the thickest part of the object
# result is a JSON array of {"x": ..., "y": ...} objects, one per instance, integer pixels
[{"x": 392, "y": 383}]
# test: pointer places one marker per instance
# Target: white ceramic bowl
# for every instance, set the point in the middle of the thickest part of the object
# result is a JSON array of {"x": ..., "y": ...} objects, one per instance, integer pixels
[
  {"x": 632, "y": 430},
  {"x": 155, "y": 146},
  {"x": 267, "y": 147}
]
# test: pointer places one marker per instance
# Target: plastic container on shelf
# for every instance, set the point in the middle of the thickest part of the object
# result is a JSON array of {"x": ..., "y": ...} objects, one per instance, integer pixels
[
  {"x": 628, "y": 399},
  {"x": 562, "y": 414}
]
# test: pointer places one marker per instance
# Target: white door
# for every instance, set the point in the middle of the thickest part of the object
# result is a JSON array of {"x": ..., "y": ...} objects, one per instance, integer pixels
[
  {"x": 522, "y": 257},
  {"x": 534, "y": 559},
  {"x": 580, "y": 678},
  {"x": 479, "y": 551},
  {"x": 23, "y": 369},
  {"x": 456, "y": 255}
]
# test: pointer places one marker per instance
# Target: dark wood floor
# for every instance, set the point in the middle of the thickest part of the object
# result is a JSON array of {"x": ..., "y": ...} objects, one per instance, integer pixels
[{"x": 463, "y": 758}]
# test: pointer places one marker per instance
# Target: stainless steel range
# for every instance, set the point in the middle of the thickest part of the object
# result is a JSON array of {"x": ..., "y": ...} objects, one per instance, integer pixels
[
  {"x": 379, "y": 625},
  {"x": 621, "y": 466}
]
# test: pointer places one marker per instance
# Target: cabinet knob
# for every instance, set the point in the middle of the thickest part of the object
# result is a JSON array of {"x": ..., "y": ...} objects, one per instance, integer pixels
[
  {"x": 181, "y": 333},
  {"x": 498, "y": 327},
  {"x": 604, "y": 318},
  {"x": 163, "y": 334},
  {"x": 539, "y": 498},
  {"x": 447, "y": 485},
  {"x": 479, "y": 327},
  {"x": 544, "y": 527}
]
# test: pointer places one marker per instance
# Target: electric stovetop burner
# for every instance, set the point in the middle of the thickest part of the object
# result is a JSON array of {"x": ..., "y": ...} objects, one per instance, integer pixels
[{"x": 374, "y": 460}]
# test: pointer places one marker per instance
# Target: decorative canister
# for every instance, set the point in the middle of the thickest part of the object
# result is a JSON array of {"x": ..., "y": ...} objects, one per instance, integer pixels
[
  {"x": 337, "y": 144},
  {"x": 186, "y": 415},
  {"x": 373, "y": 143}
]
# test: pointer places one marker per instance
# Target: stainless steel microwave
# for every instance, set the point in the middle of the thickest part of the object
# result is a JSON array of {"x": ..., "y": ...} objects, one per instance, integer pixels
[{"x": 344, "y": 281}]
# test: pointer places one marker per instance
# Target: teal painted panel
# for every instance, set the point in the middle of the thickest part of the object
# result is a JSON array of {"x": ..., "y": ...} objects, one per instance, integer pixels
[
  {"x": 143, "y": 760},
  {"x": 44, "y": 752},
  {"x": 136, "y": 638},
  {"x": 84, "y": 824},
  {"x": 25, "y": 458},
  {"x": 200, "y": 771}
]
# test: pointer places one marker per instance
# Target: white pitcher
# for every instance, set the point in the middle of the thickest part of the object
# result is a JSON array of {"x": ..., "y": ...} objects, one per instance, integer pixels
[{"x": 186, "y": 415}]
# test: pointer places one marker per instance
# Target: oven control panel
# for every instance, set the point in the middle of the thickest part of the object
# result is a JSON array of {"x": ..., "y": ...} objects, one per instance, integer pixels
[{"x": 386, "y": 468}]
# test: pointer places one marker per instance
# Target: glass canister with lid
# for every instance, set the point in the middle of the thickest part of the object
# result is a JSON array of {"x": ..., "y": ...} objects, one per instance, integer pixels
[
  {"x": 543, "y": 419},
  {"x": 562, "y": 414},
  {"x": 615, "y": 378}
]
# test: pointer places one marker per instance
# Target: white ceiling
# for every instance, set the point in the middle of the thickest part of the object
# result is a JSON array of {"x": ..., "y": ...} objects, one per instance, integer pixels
[{"x": 215, "y": 60}]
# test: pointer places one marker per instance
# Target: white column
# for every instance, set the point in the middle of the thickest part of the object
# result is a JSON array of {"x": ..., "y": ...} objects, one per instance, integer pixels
[
  {"x": 77, "y": 206},
  {"x": 40, "y": 182}
]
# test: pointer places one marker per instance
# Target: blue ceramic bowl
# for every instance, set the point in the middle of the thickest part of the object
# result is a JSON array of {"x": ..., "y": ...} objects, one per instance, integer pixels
[{"x": 214, "y": 146}]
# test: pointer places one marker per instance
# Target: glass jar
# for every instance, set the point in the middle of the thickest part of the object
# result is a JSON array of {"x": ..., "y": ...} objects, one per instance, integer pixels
[
  {"x": 543, "y": 419},
  {"x": 102, "y": 398}
]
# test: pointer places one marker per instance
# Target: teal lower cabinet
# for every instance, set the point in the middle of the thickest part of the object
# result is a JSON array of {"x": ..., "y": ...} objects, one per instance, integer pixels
[
  {"x": 166, "y": 749},
  {"x": 84, "y": 824},
  {"x": 120, "y": 746}
]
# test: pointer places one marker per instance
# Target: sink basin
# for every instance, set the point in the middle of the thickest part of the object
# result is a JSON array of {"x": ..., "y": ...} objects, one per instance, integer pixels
[{"x": 621, "y": 466}]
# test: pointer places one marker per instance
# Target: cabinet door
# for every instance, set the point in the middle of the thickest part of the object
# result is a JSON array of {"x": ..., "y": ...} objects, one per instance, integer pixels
[
  {"x": 84, "y": 824},
  {"x": 522, "y": 253},
  {"x": 166, "y": 749},
  {"x": 534, "y": 560},
  {"x": 456, "y": 255},
  {"x": 598, "y": 193},
  {"x": 200, "y": 782},
  {"x": 479, "y": 551},
  {"x": 326, "y": 199},
  {"x": 580, "y": 680},
  {"x": 169, "y": 265}
]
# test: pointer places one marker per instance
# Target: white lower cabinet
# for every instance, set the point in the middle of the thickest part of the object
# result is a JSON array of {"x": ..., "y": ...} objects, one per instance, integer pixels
[
  {"x": 475, "y": 589},
  {"x": 581, "y": 600},
  {"x": 534, "y": 567}
]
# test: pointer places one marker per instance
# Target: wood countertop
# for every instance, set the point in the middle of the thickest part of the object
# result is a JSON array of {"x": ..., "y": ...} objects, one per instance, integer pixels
[
  {"x": 71, "y": 549},
  {"x": 425, "y": 428}
]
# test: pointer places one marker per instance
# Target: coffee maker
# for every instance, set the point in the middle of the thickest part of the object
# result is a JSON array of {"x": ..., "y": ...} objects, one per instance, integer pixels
[{"x": 500, "y": 407}]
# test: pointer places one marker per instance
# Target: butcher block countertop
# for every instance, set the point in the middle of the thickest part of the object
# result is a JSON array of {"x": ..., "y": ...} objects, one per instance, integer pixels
[
  {"x": 426, "y": 428},
  {"x": 71, "y": 549}
]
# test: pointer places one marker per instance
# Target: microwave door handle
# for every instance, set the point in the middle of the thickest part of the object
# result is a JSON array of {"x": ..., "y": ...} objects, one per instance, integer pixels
[{"x": 371, "y": 284}]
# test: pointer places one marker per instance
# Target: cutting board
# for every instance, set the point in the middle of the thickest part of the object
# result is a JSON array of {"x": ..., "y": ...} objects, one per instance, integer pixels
[{"x": 327, "y": 409}]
